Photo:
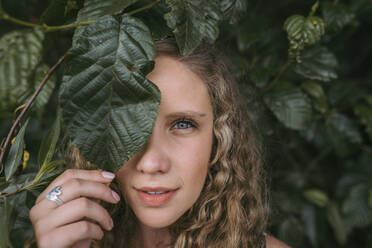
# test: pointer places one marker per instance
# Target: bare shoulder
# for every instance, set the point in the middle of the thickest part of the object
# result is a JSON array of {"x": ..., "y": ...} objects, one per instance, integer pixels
[{"x": 272, "y": 242}]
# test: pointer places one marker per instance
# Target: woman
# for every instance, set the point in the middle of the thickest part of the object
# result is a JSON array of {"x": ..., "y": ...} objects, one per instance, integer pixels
[{"x": 196, "y": 183}]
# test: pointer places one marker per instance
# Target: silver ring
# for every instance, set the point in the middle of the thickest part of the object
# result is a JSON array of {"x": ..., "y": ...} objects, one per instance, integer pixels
[{"x": 53, "y": 195}]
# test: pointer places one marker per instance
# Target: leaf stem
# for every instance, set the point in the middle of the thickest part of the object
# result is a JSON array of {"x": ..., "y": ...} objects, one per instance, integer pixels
[
  {"x": 314, "y": 8},
  {"x": 28, "y": 104},
  {"x": 277, "y": 77},
  {"x": 44, "y": 27},
  {"x": 30, "y": 186},
  {"x": 148, "y": 6}
]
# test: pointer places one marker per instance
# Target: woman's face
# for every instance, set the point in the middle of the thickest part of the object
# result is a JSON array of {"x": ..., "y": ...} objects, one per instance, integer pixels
[{"x": 164, "y": 180}]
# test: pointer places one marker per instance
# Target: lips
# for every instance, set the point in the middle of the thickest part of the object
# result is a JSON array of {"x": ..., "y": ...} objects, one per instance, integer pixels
[{"x": 155, "y": 197}]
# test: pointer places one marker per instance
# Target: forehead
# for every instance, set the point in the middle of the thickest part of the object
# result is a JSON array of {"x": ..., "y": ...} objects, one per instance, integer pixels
[{"x": 179, "y": 86}]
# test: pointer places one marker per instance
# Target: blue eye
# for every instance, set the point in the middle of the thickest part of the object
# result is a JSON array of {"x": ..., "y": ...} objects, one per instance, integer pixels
[{"x": 183, "y": 124}]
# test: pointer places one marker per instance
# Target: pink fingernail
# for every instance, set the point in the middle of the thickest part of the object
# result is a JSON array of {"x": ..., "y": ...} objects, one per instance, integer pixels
[
  {"x": 115, "y": 195},
  {"x": 108, "y": 175}
]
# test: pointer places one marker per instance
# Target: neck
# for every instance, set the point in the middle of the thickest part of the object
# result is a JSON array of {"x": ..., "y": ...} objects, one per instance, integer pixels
[{"x": 153, "y": 237}]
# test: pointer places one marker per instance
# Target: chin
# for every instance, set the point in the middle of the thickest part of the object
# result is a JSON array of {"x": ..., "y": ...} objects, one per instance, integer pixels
[{"x": 157, "y": 218}]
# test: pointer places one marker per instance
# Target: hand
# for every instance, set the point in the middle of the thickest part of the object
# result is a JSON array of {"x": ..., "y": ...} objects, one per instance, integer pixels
[{"x": 67, "y": 224}]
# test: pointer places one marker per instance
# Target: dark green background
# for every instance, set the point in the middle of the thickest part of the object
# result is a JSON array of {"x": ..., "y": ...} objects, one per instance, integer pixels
[{"x": 319, "y": 174}]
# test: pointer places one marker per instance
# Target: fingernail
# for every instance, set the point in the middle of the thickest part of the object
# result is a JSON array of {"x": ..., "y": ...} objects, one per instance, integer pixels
[
  {"x": 115, "y": 195},
  {"x": 108, "y": 175}
]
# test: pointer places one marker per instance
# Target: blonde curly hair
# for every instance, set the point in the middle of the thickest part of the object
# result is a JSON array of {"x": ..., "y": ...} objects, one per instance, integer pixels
[{"x": 231, "y": 210}]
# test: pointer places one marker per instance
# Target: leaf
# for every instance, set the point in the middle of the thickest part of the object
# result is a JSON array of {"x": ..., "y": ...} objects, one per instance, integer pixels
[
  {"x": 316, "y": 92},
  {"x": 48, "y": 144},
  {"x": 336, "y": 16},
  {"x": 192, "y": 21},
  {"x": 5, "y": 214},
  {"x": 290, "y": 105},
  {"x": 20, "y": 53},
  {"x": 233, "y": 9},
  {"x": 364, "y": 113},
  {"x": 95, "y": 9},
  {"x": 108, "y": 105},
  {"x": 15, "y": 153},
  {"x": 316, "y": 196},
  {"x": 345, "y": 93},
  {"x": 44, "y": 95},
  {"x": 308, "y": 216},
  {"x": 302, "y": 32},
  {"x": 318, "y": 63},
  {"x": 337, "y": 223},
  {"x": 356, "y": 208},
  {"x": 344, "y": 127}
]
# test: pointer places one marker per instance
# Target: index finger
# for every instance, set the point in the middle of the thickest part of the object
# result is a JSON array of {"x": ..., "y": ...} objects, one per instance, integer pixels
[{"x": 93, "y": 175}]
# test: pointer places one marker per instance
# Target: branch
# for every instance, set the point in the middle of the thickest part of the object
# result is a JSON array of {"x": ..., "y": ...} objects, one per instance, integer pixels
[
  {"x": 148, "y": 6},
  {"x": 28, "y": 104},
  {"x": 44, "y": 27},
  {"x": 277, "y": 77}
]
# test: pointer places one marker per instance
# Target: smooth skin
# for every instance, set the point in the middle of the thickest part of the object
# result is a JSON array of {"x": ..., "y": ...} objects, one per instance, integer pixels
[{"x": 80, "y": 218}]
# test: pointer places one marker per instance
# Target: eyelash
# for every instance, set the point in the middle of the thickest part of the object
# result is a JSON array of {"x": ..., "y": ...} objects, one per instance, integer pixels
[{"x": 190, "y": 123}]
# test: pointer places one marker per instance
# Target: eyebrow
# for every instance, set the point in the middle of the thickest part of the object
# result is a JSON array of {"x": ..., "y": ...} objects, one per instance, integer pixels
[{"x": 188, "y": 113}]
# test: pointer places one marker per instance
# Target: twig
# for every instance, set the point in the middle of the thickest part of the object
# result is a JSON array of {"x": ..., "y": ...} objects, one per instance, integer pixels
[
  {"x": 148, "y": 6},
  {"x": 44, "y": 27},
  {"x": 277, "y": 77},
  {"x": 314, "y": 8},
  {"x": 28, "y": 104}
]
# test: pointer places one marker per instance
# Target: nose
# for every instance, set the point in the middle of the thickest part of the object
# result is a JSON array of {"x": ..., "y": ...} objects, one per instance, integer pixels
[{"x": 154, "y": 158}]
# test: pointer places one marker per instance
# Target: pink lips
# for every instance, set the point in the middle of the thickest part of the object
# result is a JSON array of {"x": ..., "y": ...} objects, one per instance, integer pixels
[{"x": 155, "y": 197}]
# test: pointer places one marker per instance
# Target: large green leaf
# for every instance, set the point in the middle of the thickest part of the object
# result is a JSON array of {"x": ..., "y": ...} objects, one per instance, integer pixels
[
  {"x": 35, "y": 80},
  {"x": 20, "y": 53},
  {"x": 94, "y": 9},
  {"x": 107, "y": 103},
  {"x": 316, "y": 92},
  {"x": 336, "y": 16},
  {"x": 15, "y": 153},
  {"x": 318, "y": 63},
  {"x": 290, "y": 105},
  {"x": 192, "y": 21},
  {"x": 302, "y": 32}
]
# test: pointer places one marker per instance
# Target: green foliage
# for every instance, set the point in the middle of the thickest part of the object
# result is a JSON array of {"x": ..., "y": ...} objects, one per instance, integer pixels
[
  {"x": 305, "y": 76},
  {"x": 115, "y": 54}
]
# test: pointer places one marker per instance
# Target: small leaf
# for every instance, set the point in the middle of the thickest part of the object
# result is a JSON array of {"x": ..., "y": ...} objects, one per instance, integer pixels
[
  {"x": 318, "y": 63},
  {"x": 15, "y": 153},
  {"x": 302, "y": 32},
  {"x": 108, "y": 107},
  {"x": 49, "y": 143},
  {"x": 316, "y": 92},
  {"x": 95, "y": 9},
  {"x": 337, "y": 223},
  {"x": 364, "y": 113},
  {"x": 336, "y": 16},
  {"x": 345, "y": 127},
  {"x": 20, "y": 53},
  {"x": 290, "y": 105},
  {"x": 192, "y": 21},
  {"x": 317, "y": 197}
]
